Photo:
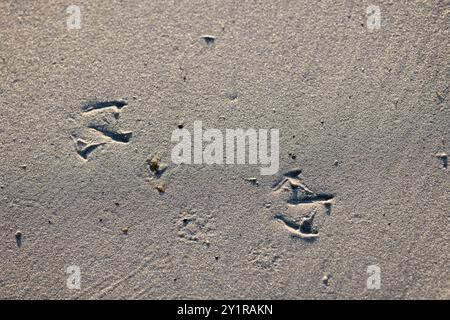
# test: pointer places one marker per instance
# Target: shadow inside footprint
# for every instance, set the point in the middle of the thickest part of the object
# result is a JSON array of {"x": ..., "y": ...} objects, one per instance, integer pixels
[
  {"x": 91, "y": 106},
  {"x": 304, "y": 230},
  {"x": 85, "y": 152},
  {"x": 111, "y": 133}
]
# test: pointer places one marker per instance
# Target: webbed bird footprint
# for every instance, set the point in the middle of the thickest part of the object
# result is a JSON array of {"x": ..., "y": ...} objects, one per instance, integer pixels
[
  {"x": 100, "y": 128},
  {"x": 299, "y": 201}
]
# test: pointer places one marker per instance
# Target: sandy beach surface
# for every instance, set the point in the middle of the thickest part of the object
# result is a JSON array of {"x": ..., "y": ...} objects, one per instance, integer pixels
[{"x": 93, "y": 207}]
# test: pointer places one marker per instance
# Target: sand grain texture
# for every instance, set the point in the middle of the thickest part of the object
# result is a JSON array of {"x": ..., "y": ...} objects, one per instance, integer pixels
[{"x": 362, "y": 113}]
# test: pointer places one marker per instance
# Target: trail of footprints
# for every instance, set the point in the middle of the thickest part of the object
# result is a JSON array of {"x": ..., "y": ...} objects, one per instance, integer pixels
[
  {"x": 300, "y": 200},
  {"x": 101, "y": 127}
]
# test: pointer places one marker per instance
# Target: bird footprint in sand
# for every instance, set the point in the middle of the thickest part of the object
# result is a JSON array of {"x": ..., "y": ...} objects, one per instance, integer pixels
[
  {"x": 101, "y": 128},
  {"x": 300, "y": 199}
]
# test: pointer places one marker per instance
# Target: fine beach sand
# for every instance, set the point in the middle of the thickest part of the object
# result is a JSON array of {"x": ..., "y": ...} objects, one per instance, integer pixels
[{"x": 364, "y": 114}]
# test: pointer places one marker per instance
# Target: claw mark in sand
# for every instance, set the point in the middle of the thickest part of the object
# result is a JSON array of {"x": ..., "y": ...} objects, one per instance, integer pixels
[
  {"x": 95, "y": 105},
  {"x": 304, "y": 229}
]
